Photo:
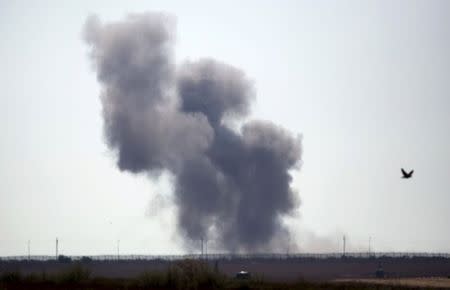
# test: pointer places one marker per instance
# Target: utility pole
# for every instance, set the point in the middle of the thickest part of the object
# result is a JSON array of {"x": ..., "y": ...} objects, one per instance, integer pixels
[
  {"x": 288, "y": 246},
  {"x": 56, "y": 249},
  {"x": 118, "y": 249},
  {"x": 29, "y": 250},
  {"x": 201, "y": 247},
  {"x": 370, "y": 240},
  {"x": 343, "y": 247}
]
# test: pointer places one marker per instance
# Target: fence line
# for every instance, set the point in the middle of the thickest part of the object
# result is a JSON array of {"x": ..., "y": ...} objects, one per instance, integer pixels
[{"x": 223, "y": 256}]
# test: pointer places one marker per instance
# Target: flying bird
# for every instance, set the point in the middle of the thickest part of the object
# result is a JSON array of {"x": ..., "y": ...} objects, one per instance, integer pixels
[{"x": 407, "y": 175}]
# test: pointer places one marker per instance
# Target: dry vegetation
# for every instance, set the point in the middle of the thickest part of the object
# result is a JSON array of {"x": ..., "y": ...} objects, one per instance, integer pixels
[
  {"x": 188, "y": 274},
  {"x": 425, "y": 282}
]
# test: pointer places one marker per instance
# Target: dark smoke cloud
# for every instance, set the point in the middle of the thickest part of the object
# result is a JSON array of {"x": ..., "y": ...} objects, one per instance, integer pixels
[
  {"x": 134, "y": 62},
  {"x": 214, "y": 89},
  {"x": 233, "y": 185}
]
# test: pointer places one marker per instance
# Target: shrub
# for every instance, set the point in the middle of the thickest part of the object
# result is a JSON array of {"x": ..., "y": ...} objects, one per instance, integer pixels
[
  {"x": 197, "y": 274},
  {"x": 152, "y": 280},
  {"x": 85, "y": 259},
  {"x": 75, "y": 274},
  {"x": 187, "y": 274},
  {"x": 64, "y": 259},
  {"x": 11, "y": 277},
  {"x": 31, "y": 278}
]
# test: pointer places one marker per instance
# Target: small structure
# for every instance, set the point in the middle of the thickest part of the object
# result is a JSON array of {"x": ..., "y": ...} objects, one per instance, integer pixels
[
  {"x": 243, "y": 275},
  {"x": 379, "y": 273}
]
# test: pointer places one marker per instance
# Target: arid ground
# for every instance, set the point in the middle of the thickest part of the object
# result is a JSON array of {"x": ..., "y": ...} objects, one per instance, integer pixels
[
  {"x": 429, "y": 282},
  {"x": 287, "y": 273},
  {"x": 292, "y": 269}
]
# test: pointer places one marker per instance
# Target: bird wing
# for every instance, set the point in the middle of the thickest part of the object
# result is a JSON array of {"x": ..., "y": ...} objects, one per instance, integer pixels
[
  {"x": 411, "y": 173},
  {"x": 404, "y": 172}
]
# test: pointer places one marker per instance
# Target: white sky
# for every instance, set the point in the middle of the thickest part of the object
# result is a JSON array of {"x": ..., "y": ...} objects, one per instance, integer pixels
[{"x": 365, "y": 82}]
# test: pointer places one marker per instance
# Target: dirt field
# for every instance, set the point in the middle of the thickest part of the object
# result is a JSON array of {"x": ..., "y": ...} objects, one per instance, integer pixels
[
  {"x": 329, "y": 269},
  {"x": 271, "y": 269},
  {"x": 431, "y": 282}
]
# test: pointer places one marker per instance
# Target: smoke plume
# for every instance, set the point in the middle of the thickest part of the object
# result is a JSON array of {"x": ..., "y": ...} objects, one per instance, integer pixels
[{"x": 230, "y": 184}]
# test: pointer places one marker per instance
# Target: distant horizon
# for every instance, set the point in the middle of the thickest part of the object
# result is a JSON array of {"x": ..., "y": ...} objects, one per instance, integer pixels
[
  {"x": 321, "y": 255},
  {"x": 313, "y": 109}
]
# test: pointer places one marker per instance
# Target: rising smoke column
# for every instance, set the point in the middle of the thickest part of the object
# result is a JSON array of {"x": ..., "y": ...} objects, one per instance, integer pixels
[{"x": 230, "y": 184}]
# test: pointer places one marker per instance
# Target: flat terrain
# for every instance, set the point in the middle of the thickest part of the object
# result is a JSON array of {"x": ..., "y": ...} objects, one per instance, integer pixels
[
  {"x": 431, "y": 282},
  {"x": 329, "y": 269},
  {"x": 286, "y": 270}
]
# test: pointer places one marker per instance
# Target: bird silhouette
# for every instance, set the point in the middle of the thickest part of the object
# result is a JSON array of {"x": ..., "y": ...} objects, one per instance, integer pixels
[{"x": 407, "y": 175}]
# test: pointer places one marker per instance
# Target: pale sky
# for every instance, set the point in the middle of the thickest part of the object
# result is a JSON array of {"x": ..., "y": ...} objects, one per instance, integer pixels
[{"x": 365, "y": 82}]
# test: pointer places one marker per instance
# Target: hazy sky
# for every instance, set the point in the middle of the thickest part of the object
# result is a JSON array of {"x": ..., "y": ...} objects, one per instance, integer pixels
[{"x": 365, "y": 82}]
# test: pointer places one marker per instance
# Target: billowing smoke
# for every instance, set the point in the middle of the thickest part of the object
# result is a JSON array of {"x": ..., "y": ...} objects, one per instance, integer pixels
[{"x": 232, "y": 184}]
